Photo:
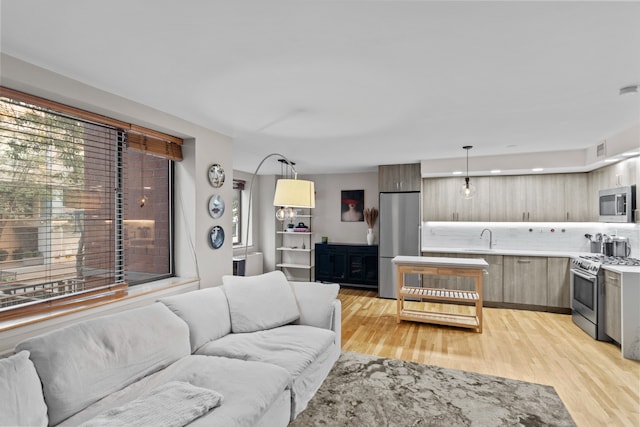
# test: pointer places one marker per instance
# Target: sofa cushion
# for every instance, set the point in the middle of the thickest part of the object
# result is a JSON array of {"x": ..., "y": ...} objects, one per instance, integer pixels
[
  {"x": 315, "y": 302},
  {"x": 249, "y": 390},
  {"x": 306, "y": 352},
  {"x": 293, "y": 347},
  {"x": 260, "y": 302},
  {"x": 21, "y": 399},
  {"x": 82, "y": 363},
  {"x": 206, "y": 311}
]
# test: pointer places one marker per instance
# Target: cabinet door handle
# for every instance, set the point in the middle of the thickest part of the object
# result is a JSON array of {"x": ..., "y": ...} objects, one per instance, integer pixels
[
  {"x": 524, "y": 261},
  {"x": 523, "y": 216}
]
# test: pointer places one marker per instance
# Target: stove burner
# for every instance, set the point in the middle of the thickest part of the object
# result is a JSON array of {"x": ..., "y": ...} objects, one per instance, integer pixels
[
  {"x": 611, "y": 260},
  {"x": 616, "y": 260}
]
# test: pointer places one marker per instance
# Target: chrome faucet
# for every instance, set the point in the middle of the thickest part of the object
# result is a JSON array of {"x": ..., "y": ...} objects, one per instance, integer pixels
[{"x": 490, "y": 237}]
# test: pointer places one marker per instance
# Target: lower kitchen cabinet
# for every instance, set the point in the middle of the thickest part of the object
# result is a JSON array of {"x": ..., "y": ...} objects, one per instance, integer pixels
[
  {"x": 612, "y": 306},
  {"x": 525, "y": 280},
  {"x": 347, "y": 264},
  {"x": 530, "y": 282},
  {"x": 558, "y": 283},
  {"x": 491, "y": 282}
]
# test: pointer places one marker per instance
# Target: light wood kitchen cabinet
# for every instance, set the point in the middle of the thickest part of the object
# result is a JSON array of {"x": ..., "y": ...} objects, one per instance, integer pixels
[
  {"x": 576, "y": 205},
  {"x": 525, "y": 280},
  {"x": 558, "y": 283},
  {"x": 517, "y": 198},
  {"x": 439, "y": 200},
  {"x": 442, "y": 200},
  {"x": 491, "y": 282},
  {"x": 612, "y": 306},
  {"x": 533, "y": 198},
  {"x": 397, "y": 178}
]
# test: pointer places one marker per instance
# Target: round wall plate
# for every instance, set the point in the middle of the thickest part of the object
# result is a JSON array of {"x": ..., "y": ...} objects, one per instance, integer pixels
[
  {"x": 216, "y": 237},
  {"x": 216, "y": 175},
  {"x": 216, "y": 206}
]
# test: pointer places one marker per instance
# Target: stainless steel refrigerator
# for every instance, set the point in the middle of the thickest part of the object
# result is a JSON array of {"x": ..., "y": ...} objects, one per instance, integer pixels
[{"x": 399, "y": 235}]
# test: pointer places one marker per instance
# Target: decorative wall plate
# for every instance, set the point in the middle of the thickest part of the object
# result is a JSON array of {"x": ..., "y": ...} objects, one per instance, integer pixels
[
  {"x": 216, "y": 206},
  {"x": 216, "y": 175},
  {"x": 216, "y": 237}
]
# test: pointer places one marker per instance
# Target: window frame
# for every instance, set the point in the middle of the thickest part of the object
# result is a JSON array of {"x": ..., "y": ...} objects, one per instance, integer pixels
[{"x": 146, "y": 140}]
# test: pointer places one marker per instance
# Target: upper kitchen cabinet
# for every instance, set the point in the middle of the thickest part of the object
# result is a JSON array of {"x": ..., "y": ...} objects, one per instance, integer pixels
[
  {"x": 442, "y": 200},
  {"x": 399, "y": 178},
  {"x": 576, "y": 204},
  {"x": 528, "y": 198}
]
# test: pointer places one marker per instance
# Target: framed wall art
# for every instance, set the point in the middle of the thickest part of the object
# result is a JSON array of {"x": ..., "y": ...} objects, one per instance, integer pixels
[{"x": 352, "y": 205}]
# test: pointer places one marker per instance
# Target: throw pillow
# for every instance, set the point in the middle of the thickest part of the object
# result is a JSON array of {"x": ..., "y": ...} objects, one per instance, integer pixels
[
  {"x": 260, "y": 302},
  {"x": 315, "y": 302},
  {"x": 21, "y": 398},
  {"x": 206, "y": 311}
]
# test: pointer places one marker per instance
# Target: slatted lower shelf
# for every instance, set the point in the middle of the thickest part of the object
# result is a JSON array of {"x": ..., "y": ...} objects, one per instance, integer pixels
[
  {"x": 451, "y": 319},
  {"x": 440, "y": 294},
  {"x": 433, "y": 266}
]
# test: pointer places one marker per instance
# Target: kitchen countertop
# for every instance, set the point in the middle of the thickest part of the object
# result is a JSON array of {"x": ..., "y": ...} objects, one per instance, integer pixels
[
  {"x": 525, "y": 252},
  {"x": 622, "y": 269},
  {"x": 500, "y": 251}
]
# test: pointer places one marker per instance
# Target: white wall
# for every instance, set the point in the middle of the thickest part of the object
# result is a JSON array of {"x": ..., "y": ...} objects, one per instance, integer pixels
[{"x": 326, "y": 219}]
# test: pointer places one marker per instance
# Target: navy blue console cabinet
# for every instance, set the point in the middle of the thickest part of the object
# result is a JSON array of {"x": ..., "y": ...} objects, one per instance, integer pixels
[{"x": 350, "y": 265}]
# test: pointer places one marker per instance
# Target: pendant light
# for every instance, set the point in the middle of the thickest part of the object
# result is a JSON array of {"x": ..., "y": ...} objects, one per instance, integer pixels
[{"x": 467, "y": 190}]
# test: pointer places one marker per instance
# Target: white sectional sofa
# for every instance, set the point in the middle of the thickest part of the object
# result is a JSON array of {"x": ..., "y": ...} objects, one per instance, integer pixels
[{"x": 249, "y": 353}]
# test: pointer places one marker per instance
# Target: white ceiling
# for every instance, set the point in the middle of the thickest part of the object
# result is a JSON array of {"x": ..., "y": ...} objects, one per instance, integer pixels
[{"x": 343, "y": 86}]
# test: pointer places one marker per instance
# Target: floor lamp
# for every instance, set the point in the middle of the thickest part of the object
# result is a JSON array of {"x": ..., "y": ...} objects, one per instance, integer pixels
[{"x": 290, "y": 193}]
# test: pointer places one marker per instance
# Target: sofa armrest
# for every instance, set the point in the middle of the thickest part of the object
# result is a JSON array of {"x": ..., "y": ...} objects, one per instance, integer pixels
[
  {"x": 318, "y": 304},
  {"x": 336, "y": 321}
]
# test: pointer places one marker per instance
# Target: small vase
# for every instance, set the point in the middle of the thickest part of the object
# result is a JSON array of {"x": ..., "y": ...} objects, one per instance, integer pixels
[{"x": 370, "y": 236}]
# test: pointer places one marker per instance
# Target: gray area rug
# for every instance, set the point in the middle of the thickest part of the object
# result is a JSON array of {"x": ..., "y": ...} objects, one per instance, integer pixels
[{"x": 364, "y": 390}]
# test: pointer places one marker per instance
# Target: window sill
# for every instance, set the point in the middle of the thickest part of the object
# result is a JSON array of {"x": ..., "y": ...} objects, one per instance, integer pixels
[{"x": 157, "y": 287}]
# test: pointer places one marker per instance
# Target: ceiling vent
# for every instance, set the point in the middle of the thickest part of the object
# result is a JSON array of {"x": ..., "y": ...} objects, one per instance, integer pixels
[{"x": 601, "y": 150}]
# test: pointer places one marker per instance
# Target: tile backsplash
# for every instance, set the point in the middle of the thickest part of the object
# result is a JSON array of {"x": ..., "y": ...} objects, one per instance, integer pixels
[{"x": 537, "y": 236}]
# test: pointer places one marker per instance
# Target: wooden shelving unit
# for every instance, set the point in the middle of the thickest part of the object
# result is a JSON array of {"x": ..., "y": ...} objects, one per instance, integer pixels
[
  {"x": 293, "y": 259},
  {"x": 437, "y": 266}
]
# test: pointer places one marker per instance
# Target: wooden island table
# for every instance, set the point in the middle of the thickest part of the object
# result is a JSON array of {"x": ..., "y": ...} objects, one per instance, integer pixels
[{"x": 438, "y": 266}]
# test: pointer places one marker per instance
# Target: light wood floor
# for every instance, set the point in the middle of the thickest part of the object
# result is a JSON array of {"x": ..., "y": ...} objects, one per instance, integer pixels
[{"x": 597, "y": 385}]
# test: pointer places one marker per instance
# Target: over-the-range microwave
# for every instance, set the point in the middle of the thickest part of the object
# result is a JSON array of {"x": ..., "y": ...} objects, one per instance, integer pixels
[{"x": 617, "y": 204}]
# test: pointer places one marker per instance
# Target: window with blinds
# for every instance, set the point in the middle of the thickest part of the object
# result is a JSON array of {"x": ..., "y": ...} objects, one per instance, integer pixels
[{"x": 82, "y": 215}]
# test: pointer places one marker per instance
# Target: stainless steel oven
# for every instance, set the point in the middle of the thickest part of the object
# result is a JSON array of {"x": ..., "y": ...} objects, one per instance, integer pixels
[{"x": 587, "y": 299}]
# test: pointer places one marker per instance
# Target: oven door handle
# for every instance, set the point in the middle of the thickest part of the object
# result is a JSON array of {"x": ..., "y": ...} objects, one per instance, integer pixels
[{"x": 584, "y": 276}]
